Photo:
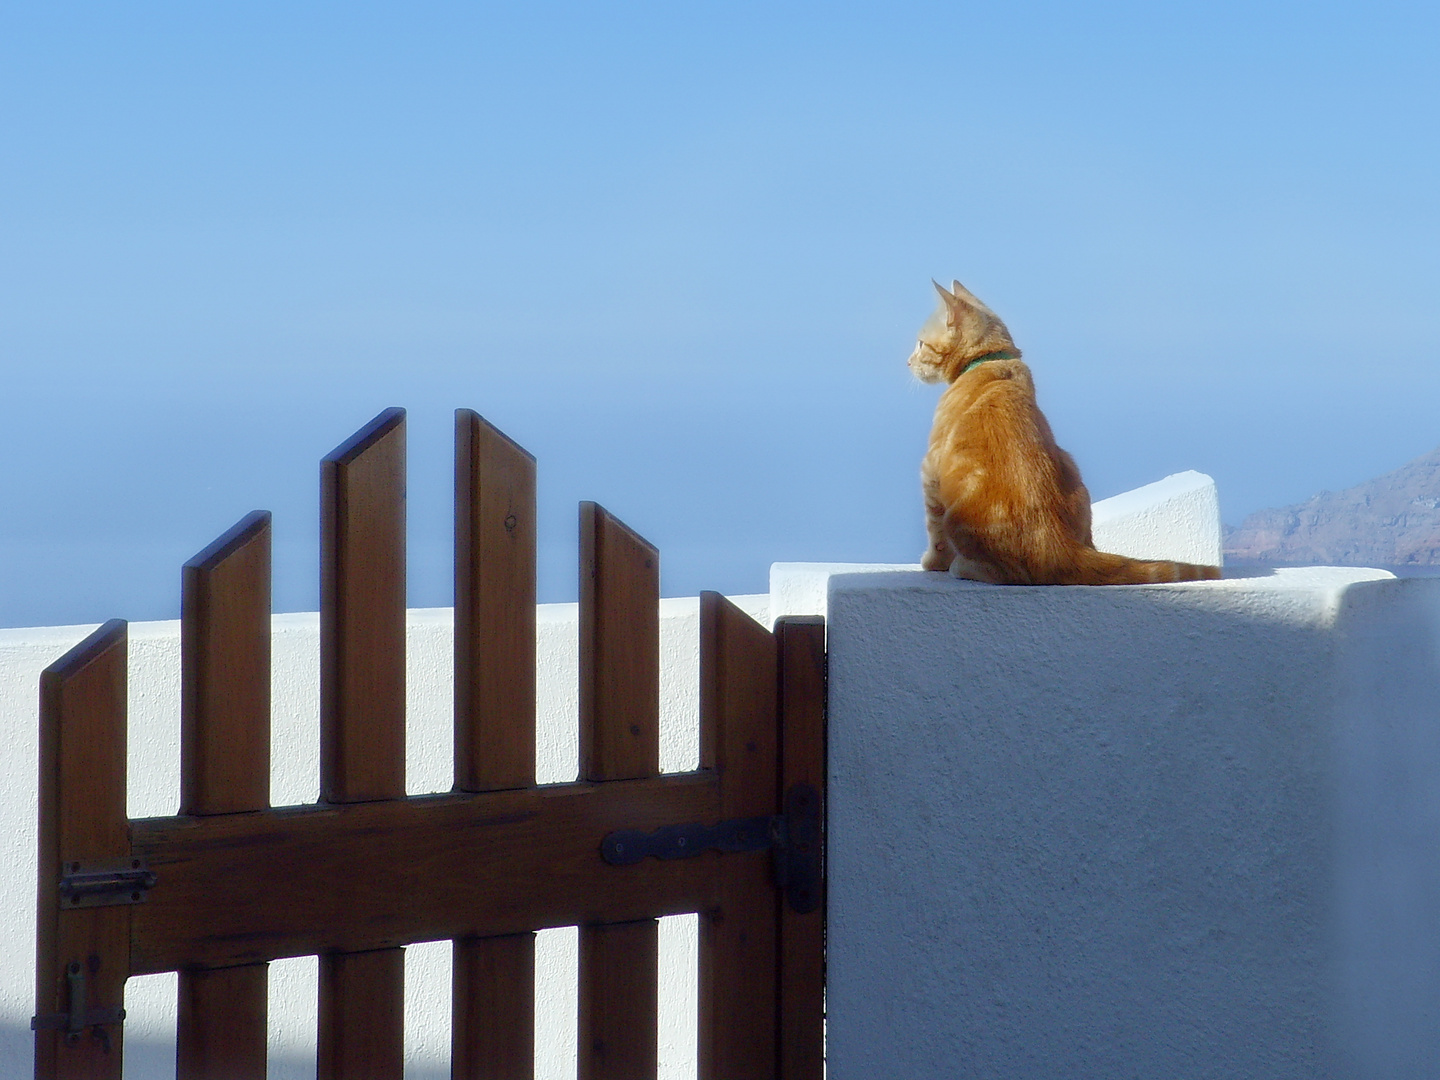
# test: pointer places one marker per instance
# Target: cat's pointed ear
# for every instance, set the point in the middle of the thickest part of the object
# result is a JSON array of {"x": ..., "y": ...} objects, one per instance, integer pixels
[
  {"x": 960, "y": 292},
  {"x": 954, "y": 304}
]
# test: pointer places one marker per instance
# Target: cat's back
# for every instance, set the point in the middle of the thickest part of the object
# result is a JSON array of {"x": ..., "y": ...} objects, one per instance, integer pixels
[
  {"x": 989, "y": 434},
  {"x": 996, "y": 395}
]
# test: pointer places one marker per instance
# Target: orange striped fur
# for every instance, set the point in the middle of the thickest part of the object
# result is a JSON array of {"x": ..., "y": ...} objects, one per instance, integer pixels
[{"x": 1003, "y": 502}]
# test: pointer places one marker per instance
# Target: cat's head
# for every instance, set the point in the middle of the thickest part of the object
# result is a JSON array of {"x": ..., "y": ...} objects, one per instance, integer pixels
[{"x": 961, "y": 329}]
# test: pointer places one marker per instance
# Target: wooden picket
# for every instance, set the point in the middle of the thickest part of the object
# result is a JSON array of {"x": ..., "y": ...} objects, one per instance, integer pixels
[
  {"x": 492, "y": 1032},
  {"x": 225, "y": 769},
  {"x": 231, "y": 883},
  {"x": 81, "y": 952},
  {"x": 362, "y": 719}
]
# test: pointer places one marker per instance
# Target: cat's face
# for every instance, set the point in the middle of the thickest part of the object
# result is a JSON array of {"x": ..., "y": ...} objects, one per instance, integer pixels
[
  {"x": 932, "y": 345},
  {"x": 961, "y": 329}
]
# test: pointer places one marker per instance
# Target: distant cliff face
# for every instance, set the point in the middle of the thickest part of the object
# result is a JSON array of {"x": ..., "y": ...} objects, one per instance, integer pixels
[{"x": 1393, "y": 520}]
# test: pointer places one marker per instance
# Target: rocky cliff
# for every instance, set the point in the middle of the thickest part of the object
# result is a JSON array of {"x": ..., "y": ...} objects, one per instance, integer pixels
[{"x": 1393, "y": 520}]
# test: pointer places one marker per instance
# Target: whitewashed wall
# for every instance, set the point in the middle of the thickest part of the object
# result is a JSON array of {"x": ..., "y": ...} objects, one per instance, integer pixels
[
  {"x": 1174, "y": 518},
  {"x": 1170, "y": 521},
  {"x": 1184, "y": 830}
]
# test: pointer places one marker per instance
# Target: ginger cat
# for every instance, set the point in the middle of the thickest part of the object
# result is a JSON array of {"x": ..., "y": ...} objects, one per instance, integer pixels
[{"x": 1003, "y": 503}]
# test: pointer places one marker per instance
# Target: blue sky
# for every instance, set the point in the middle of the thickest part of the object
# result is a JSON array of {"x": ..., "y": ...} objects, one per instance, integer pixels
[{"x": 680, "y": 252}]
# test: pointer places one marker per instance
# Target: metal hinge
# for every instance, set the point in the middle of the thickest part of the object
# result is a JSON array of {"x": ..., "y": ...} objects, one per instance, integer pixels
[
  {"x": 80, "y": 1017},
  {"x": 794, "y": 838},
  {"x": 126, "y": 881}
]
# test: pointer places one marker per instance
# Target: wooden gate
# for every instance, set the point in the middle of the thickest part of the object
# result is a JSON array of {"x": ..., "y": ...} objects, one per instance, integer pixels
[{"x": 232, "y": 883}]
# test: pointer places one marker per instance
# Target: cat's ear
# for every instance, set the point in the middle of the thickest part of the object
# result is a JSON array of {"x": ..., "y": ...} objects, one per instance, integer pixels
[
  {"x": 960, "y": 291},
  {"x": 951, "y": 303},
  {"x": 955, "y": 303}
]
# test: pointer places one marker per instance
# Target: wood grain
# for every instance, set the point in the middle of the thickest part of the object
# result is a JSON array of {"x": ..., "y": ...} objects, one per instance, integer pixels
[
  {"x": 619, "y": 739},
  {"x": 362, "y": 715},
  {"x": 494, "y": 608},
  {"x": 492, "y": 1031},
  {"x": 225, "y": 769},
  {"x": 619, "y": 650},
  {"x": 362, "y": 614},
  {"x": 738, "y": 1006},
  {"x": 305, "y": 880},
  {"x": 801, "y": 643},
  {"x": 221, "y": 1023},
  {"x": 618, "y": 1034},
  {"x": 82, "y": 821},
  {"x": 225, "y": 673},
  {"x": 362, "y": 1016},
  {"x": 493, "y": 988}
]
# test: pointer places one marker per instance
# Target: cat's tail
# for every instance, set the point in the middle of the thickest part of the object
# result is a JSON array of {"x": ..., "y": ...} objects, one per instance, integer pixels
[{"x": 1103, "y": 568}]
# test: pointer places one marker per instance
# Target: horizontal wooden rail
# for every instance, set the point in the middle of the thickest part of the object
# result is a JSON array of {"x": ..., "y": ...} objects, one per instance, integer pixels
[{"x": 244, "y": 888}]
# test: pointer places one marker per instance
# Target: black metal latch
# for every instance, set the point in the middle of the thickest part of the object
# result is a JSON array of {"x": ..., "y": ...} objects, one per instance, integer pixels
[
  {"x": 794, "y": 838},
  {"x": 102, "y": 884},
  {"x": 81, "y": 1016}
]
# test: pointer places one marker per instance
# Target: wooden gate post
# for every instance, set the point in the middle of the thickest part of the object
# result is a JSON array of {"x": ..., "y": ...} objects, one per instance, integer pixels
[
  {"x": 801, "y": 644},
  {"x": 83, "y": 937}
]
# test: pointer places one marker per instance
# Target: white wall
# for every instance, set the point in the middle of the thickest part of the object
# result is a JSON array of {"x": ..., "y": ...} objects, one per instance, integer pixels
[
  {"x": 1158, "y": 831},
  {"x": 1174, "y": 518}
]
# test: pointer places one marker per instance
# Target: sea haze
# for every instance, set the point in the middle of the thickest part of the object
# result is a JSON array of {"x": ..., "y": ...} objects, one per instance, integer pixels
[{"x": 679, "y": 252}]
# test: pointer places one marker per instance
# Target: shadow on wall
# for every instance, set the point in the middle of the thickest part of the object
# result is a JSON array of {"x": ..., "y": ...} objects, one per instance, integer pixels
[{"x": 154, "y": 1059}]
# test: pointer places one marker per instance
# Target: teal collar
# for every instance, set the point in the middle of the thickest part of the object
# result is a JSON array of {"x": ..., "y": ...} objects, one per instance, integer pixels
[{"x": 1000, "y": 354}]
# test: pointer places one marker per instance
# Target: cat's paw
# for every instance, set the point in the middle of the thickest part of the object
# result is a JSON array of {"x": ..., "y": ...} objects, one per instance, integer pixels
[
  {"x": 970, "y": 570},
  {"x": 935, "y": 558}
]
